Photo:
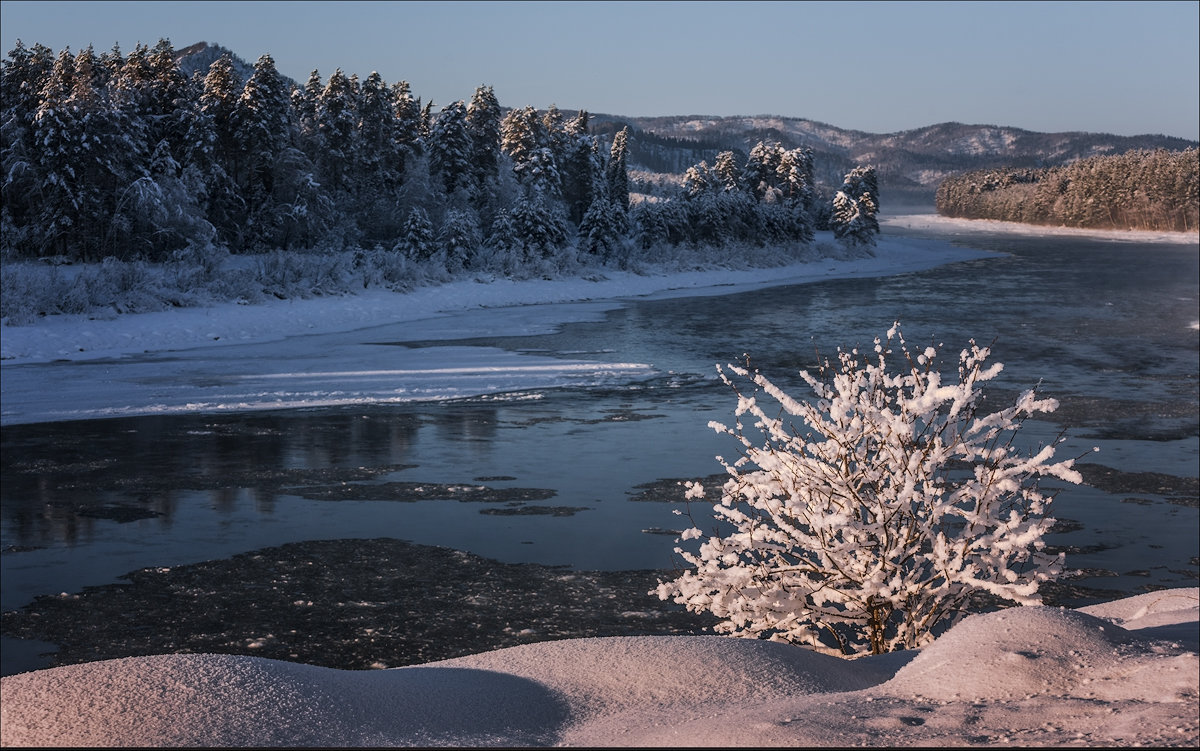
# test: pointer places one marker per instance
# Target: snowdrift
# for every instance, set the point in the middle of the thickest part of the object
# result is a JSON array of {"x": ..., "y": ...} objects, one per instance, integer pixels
[{"x": 1125, "y": 672}]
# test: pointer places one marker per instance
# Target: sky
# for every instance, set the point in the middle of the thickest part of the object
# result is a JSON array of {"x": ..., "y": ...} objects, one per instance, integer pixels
[{"x": 1126, "y": 68}]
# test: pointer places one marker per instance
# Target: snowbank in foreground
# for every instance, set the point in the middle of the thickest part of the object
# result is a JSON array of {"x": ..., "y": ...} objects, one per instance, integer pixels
[{"x": 1121, "y": 673}]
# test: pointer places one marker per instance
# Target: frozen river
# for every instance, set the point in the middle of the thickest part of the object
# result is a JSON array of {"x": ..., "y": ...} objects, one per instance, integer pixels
[{"x": 576, "y": 469}]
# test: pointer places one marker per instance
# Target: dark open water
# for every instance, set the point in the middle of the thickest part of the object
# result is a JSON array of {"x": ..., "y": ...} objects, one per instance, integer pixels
[{"x": 1107, "y": 327}]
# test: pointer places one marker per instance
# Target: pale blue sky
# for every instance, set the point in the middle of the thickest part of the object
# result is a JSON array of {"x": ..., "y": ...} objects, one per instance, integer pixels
[{"x": 1114, "y": 67}]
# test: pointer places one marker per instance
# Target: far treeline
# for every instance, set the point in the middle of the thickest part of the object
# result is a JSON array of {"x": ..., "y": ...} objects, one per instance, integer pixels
[{"x": 1150, "y": 190}]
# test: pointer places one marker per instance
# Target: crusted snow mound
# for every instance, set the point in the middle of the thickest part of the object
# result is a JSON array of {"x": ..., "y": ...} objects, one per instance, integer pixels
[
  {"x": 1031, "y": 676},
  {"x": 1024, "y": 652}
]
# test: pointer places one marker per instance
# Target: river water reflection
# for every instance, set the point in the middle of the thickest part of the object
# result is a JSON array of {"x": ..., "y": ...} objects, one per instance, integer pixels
[{"x": 1107, "y": 327}]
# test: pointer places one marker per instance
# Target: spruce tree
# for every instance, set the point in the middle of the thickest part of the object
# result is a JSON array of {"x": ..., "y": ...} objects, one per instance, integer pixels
[
  {"x": 378, "y": 166},
  {"x": 483, "y": 127},
  {"x": 727, "y": 172},
  {"x": 218, "y": 101},
  {"x": 582, "y": 175},
  {"x": 450, "y": 147},
  {"x": 407, "y": 134},
  {"x": 853, "y": 220},
  {"x": 459, "y": 239},
  {"x": 521, "y": 136},
  {"x": 337, "y": 122},
  {"x": 417, "y": 240},
  {"x": 263, "y": 130},
  {"x": 23, "y": 75},
  {"x": 616, "y": 172}
]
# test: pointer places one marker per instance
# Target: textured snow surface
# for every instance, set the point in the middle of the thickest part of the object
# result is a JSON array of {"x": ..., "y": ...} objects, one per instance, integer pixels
[{"x": 1122, "y": 673}]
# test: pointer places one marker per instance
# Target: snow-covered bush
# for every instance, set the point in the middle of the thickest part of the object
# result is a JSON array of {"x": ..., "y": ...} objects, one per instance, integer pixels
[{"x": 878, "y": 520}]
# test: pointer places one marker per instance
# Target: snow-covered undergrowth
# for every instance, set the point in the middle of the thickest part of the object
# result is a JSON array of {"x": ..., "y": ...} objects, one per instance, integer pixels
[
  {"x": 1122, "y": 673},
  {"x": 208, "y": 276}
]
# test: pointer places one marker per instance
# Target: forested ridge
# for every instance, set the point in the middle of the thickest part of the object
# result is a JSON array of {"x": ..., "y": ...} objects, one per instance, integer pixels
[
  {"x": 123, "y": 156},
  {"x": 1150, "y": 190}
]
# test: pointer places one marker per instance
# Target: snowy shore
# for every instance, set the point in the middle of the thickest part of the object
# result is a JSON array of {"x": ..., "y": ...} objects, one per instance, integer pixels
[
  {"x": 1121, "y": 673},
  {"x": 80, "y": 337},
  {"x": 326, "y": 351}
]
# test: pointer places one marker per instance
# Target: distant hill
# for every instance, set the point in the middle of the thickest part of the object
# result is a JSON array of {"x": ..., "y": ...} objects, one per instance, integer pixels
[
  {"x": 199, "y": 56},
  {"x": 910, "y": 164}
]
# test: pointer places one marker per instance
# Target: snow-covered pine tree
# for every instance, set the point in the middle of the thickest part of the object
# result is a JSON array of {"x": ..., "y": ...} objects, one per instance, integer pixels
[
  {"x": 23, "y": 76},
  {"x": 377, "y": 142},
  {"x": 578, "y": 126},
  {"x": 171, "y": 95},
  {"x": 524, "y": 139},
  {"x": 54, "y": 132},
  {"x": 265, "y": 130},
  {"x": 218, "y": 101},
  {"x": 727, "y": 171},
  {"x": 263, "y": 127},
  {"x": 88, "y": 158},
  {"x": 761, "y": 173},
  {"x": 795, "y": 177},
  {"x": 708, "y": 219},
  {"x": 408, "y": 136},
  {"x": 459, "y": 239},
  {"x": 337, "y": 122},
  {"x": 658, "y": 223},
  {"x": 502, "y": 236},
  {"x": 603, "y": 227},
  {"x": 697, "y": 181},
  {"x": 417, "y": 241},
  {"x": 541, "y": 175},
  {"x": 450, "y": 148},
  {"x": 860, "y": 531},
  {"x": 855, "y": 206},
  {"x": 426, "y": 120},
  {"x": 483, "y": 128},
  {"x": 204, "y": 173},
  {"x": 616, "y": 171},
  {"x": 582, "y": 168},
  {"x": 304, "y": 108},
  {"x": 554, "y": 126},
  {"x": 539, "y": 226}
]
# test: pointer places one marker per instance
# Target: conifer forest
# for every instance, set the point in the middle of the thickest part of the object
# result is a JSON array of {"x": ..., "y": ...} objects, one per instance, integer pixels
[{"x": 123, "y": 156}]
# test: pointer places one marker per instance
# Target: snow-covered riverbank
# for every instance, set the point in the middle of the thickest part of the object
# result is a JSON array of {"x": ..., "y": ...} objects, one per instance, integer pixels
[
  {"x": 326, "y": 351},
  {"x": 1123, "y": 673},
  {"x": 81, "y": 337}
]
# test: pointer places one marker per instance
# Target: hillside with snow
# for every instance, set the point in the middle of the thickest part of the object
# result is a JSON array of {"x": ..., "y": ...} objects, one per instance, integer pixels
[{"x": 910, "y": 163}]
